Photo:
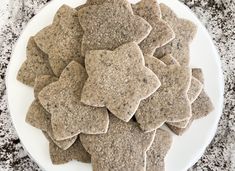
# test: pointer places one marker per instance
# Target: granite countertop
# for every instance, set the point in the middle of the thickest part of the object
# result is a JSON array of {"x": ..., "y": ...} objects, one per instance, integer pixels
[{"x": 219, "y": 18}]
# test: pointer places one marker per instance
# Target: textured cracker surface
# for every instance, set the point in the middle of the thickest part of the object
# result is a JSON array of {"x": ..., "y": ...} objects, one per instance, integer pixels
[
  {"x": 62, "y": 39},
  {"x": 181, "y": 124},
  {"x": 184, "y": 30},
  {"x": 110, "y": 25},
  {"x": 41, "y": 82},
  {"x": 194, "y": 90},
  {"x": 201, "y": 107},
  {"x": 161, "y": 32},
  {"x": 114, "y": 82},
  {"x": 158, "y": 150},
  {"x": 123, "y": 147},
  {"x": 169, "y": 60},
  {"x": 170, "y": 102},
  {"x": 35, "y": 64},
  {"x": 195, "y": 85},
  {"x": 69, "y": 117},
  {"x": 98, "y": 2},
  {"x": 38, "y": 117},
  {"x": 75, "y": 152}
]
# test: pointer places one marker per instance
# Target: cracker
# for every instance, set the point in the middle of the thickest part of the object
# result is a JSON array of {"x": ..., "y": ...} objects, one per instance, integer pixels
[
  {"x": 69, "y": 117},
  {"x": 36, "y": 64},
  {"x": 114, "y": 82},
  {"x": 123, "y": 147},
  {"x": 194, "y": 90},
  {"x": 39, "y": 118},
  {"x": 41, "y": 82},
  {"x": 158, "y": 150},
  {"x": 161, "y": 32},
  {"x": 185, "y": 31},
  {"x": 169, "y": 60},
  {"x": 201, "y": 107},
  {"x": 62, "y": 39},
  {"x": 100, "y": 2},
  {"x": 75, "y": 152},
  {"x": 111, "y": 25},
  {"x": 181, "y": 124},
  {"x": 198, "y": 74},
  {"x": 195, "y": 86},
  {"x": 44, "y": 39},
  {"x": 170, "y": 102}
]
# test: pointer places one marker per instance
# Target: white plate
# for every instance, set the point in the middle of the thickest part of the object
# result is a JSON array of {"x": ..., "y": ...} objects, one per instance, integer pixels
[{"x": 185, "y": 151}]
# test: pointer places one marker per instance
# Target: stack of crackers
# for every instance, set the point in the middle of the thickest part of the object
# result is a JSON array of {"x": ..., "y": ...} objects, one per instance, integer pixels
[{"x": 107, "y": 76}]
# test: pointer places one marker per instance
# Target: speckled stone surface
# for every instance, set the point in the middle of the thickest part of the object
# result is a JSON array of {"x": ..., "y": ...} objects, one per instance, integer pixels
[{"x": 219, "y": 18}]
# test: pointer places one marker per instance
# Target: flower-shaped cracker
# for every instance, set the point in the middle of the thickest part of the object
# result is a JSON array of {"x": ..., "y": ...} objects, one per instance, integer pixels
[
  {"x": 110, "y": 25},
  {"x": 158, "y": 150},
  {"x": 123, "y": 147},
  {"x": 185, "y": 31},
  {"x": 170, "y": 102},
  {"x": 161, "y": 32},
  {"x": 62, "y": 39},
  {"x": 69, "y": 116},
  {"x": 118, "y": 80},
  {"x": 36, "y": 64}
]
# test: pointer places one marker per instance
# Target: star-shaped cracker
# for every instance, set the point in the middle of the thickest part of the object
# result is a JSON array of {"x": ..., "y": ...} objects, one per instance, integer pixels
[
  {"x": 123, "y": 147},
  {"x": 170, "y": 102},
  {"x": 75, "y": 152},
  {"x": 158, "y": 150},
  {"x": 195, "y": 85},
  {"x": 69, "y": 117},
  {"x": 38, "y": 117},
  {"x": 62, "y": 39},
  {"x": 36, "y": 64},
  {"x": 161, "y": 32},
  {"x": 193, "y": 92},
  {"x": 118, "y": 80},
  {"x": 201, "y": 107},
  {"x": 110, "y": 25},
  {"x": 184, "y": 30}
]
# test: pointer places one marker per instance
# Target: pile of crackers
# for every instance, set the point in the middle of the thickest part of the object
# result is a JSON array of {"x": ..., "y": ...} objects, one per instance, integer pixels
[{"x": 107, "y": 76}]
